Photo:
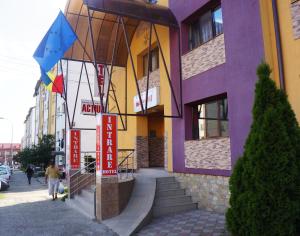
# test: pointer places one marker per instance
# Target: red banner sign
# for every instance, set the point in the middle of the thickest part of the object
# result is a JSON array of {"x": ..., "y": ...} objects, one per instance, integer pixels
[
  {"x": 109, "y": 145},
  {"x": 75, "y": 149},
  {"x": 100, "y": 74}
]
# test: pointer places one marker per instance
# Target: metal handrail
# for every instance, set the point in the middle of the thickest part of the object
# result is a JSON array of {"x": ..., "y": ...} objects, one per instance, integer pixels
[
  {"x": 126, "y": 159},
  {"x": 76, "y": 182},
  {"x": 132, "y": 151},
  {"x": 123, "y": 166},
  {"x": 79, "y": 171}
]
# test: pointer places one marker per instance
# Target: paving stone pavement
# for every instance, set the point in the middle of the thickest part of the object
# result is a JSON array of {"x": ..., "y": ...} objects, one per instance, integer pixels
[
  {"x": 28, "y": 210},
  {"x": 192, "y": 223}
]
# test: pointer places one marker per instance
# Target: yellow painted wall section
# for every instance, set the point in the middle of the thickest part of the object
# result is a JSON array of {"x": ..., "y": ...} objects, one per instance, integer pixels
[
  {"x": 138, "y": 126},
  {"x": 52, "y": 113},
  {"x": 41, "y": 111},
  {"x": 290, "y": 49},
  {"x": 291, "y": 55},
  {"x": 269, "y": 38}
]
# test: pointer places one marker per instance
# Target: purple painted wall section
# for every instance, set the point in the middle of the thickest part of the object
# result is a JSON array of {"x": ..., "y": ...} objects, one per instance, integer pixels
[{"x": 237, "y": 77}]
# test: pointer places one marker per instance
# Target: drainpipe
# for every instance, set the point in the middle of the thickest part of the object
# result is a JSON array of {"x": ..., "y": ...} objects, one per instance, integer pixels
[{"x": 278, "y": 45}]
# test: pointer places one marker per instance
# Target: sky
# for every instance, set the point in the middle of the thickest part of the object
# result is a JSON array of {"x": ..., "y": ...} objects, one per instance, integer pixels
[{"x": 22, "y": 26}]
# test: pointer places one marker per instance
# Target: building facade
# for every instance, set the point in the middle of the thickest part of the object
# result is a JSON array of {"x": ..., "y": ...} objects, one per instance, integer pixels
[
  {"x": 45, "y": 109},
  {"x": 30, "y": 122},
  {"x": 221, "y": 44}
]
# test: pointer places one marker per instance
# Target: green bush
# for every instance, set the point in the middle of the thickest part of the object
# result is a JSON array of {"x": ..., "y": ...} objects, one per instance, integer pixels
[{"x": 264, "y": 185}]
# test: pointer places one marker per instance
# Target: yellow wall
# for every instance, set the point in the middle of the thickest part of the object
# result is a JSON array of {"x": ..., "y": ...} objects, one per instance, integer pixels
[
  {"x": 290, "y": 49},
  {"x": 138, "y": 126},
  {"x": 41, "y": 111},
  {"x": 52, "y": 112}
]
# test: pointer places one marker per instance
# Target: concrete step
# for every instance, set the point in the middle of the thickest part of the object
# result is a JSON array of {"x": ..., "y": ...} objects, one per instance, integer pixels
[
  {"x": 169, "y": 201},
  {"x": 87, "y": 193},
  {"x": 159, "y": 211},
  {"x": 86, "y": 203},
  {"x": 83, "y": 208},
  {"x": 170, "y": 192},
  {"x": 166, "y": 186},
  {"x": 169, "y": 179}
]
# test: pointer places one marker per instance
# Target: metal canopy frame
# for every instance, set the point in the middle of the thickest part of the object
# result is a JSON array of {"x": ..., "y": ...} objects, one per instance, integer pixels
[{"x": 122, "y": 24}]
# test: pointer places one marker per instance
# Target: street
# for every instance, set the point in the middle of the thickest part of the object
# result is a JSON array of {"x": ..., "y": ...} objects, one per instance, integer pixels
[{"x": 28, "y": 210}]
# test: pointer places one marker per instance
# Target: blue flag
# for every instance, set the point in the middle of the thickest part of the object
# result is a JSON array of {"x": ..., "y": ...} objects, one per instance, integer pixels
[{"x": 55, "y": 43}]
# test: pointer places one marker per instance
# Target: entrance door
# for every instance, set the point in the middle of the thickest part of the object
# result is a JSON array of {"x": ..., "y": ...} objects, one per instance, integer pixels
[{"x": 156, "y": 141}]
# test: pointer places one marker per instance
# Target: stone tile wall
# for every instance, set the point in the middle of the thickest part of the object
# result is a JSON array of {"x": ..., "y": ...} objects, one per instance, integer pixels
[
  {"x": 154, "y": 81},
  {"x": 208, "y": 154},
  {"x": 166, "y": 151},
  {"x": 142, "y": 152},
  {"x": 156, "y": 151},
  {"x": 295, "y": 10},
  {"x": 204, "y": 57},
  {"x": 210, "y": 192}
]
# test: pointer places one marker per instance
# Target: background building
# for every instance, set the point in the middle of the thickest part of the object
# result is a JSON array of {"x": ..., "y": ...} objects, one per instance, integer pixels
[
  {"x": 7, "y": 151},
  {"x": 30, "y": 122}
]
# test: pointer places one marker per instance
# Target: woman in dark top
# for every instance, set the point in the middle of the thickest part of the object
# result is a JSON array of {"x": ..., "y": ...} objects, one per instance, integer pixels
[{"x": 29, "y": 172}]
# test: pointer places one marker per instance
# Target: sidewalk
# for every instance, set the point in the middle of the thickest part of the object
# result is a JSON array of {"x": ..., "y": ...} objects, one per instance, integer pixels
[
  {"x": 28, "y": 210},
  {"x": 192, "y": 223}
]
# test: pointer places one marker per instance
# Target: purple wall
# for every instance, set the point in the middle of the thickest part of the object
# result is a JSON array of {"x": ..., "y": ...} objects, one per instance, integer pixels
[{"x": 237, "y": 77}]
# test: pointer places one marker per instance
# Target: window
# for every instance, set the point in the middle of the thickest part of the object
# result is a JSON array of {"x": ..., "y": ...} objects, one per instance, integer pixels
[
  {"x": 205, "y": 27},
  {"x": 154, "y": 61},
  {"x": 210, "y": 119}
]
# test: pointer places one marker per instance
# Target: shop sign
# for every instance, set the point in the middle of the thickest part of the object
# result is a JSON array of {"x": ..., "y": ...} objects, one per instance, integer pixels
[
  {"x": 108, "y": 154},
  {"x": 75, "y": 149},
  {"x": 88, "y": 108},
  {"x": 100, "y": 79},
  {"x": 153, "y": 99}
]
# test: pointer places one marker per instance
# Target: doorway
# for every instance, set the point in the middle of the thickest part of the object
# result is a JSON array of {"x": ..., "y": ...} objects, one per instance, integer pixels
[{"x": 156, "y": 140}]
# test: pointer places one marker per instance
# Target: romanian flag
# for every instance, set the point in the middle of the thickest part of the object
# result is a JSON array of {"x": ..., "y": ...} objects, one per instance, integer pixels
[{"x": 52, "y": 83}]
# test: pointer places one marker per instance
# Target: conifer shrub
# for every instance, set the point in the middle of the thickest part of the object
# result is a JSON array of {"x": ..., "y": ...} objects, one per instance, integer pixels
[{"x": 264, "y": 185}]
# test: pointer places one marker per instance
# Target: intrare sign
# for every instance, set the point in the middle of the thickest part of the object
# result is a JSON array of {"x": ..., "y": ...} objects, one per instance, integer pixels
[
  {"x": 75, "y": 149},
  {"x": 106, "y": 145}
]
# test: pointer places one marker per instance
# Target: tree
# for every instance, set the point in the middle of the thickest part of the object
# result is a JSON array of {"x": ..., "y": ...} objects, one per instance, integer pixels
[
  {"x": 45, "y": 147},
  {"x": 39, "y": 155},
  {"x": 265, "y": 182}
]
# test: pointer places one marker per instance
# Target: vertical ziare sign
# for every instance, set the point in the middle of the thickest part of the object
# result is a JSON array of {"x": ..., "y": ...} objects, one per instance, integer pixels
[
  {"x": 109, "y": 151},
  {"x": 75, "y": 149},
  {"x": 98, "y": 158}
]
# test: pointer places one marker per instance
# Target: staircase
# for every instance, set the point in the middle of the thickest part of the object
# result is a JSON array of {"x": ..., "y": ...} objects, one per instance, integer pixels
[
  {"x": 170, "y": 198},
  {"x": 83, "y": 202}
]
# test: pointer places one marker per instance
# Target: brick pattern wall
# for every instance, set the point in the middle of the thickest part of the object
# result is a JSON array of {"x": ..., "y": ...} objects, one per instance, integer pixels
[
  {"x": 295, "y": 9},
  {"x": 204, "y": 57},
  {"x": 210, "y": 192},
  {"x": 154, "y": 81},
  {"x": 208, "y": 154},
  {"x": 141, "y": 152},
  {"x": 156, "y": 151}
]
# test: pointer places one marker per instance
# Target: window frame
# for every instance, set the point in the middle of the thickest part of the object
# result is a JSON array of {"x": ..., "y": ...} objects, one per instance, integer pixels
[
  {"x": 219, "y": 119},
  {"x": 191, "y": 27},
  {"x": 155, "y": 52}
]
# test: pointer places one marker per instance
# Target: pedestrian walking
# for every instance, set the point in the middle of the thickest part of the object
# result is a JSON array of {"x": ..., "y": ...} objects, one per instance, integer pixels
[
  {"x": 52, "y": 177},
  {"x": 29, "y": 172}
]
